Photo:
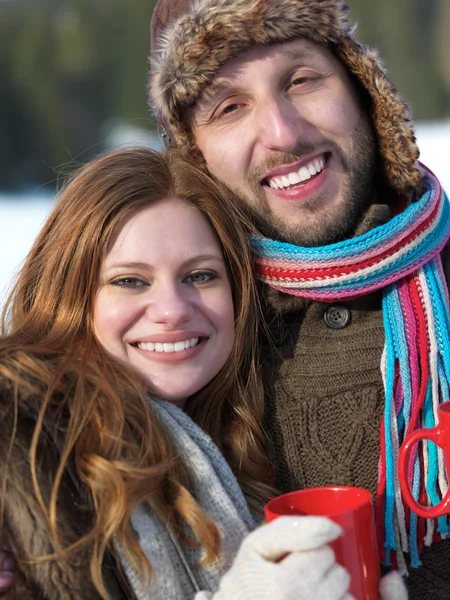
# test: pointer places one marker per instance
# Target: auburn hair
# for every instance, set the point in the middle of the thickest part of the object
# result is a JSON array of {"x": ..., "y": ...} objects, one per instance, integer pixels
[{"x": 121, "y": 455}]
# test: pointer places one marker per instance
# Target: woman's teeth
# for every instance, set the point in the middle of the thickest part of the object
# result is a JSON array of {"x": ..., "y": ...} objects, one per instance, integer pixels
[{"x": 167, "y": 346}]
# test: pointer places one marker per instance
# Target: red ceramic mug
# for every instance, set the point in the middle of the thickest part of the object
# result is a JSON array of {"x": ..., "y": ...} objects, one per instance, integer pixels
[
  {"x": 352, "y": 509},
  {"x": 440, "y": 435}
]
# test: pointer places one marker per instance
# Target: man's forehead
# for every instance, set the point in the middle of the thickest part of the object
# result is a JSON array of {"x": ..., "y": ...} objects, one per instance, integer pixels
[
  {"x": 228, "y": 74},
  {"x": 291, "y": 50}
]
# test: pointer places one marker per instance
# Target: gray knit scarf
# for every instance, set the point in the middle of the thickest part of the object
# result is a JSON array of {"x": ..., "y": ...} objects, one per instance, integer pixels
[{"x": 213, "y": 485}]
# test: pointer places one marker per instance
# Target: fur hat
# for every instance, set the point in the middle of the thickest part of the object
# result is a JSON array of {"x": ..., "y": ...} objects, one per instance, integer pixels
[{"x": 191, "y": 39}]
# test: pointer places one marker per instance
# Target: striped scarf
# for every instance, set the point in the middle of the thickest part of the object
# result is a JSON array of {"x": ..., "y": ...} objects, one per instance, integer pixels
[{"x": 403, "y": 259}]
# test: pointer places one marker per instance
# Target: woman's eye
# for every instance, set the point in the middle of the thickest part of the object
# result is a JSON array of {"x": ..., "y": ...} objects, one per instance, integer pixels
[
  {"x": 129, "y": 282},
  {"x": 200, "y": 277}
]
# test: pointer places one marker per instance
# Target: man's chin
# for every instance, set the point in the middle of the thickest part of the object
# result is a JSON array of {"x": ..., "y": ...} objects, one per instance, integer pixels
[
  {"x": 306, "y": 227},
  {"x": 310, "y": 237}
]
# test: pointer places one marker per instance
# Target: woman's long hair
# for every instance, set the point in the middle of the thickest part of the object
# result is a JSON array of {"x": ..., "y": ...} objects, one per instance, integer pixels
[{"x": 112, "y": 437}]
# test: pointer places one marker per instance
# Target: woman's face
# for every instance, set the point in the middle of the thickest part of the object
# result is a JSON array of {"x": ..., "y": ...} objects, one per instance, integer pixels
[{"x": 164, "y": 304}]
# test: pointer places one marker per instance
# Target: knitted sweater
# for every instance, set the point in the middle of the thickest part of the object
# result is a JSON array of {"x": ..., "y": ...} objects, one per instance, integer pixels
[{"x": 325, "y": 400}]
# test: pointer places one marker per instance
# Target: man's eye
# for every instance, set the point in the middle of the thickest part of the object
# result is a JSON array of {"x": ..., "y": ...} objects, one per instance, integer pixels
[
  {"x": 230, "y": 108},
  {"x": 200, "y": 277},
  {"x": 129, "y": 282},
  {"x": 305, "y": 79},
  {"x": 300, "y": 80},
  {"x": 227, "y": 109}
]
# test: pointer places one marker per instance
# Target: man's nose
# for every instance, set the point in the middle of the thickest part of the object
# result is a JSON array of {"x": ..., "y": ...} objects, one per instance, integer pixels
[
  {"x": 280, "y": 127},
  {"x": 170, "y": 304}
]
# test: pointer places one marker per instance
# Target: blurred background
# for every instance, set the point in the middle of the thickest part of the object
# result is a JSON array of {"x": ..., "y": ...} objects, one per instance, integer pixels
[{"x": 73, "y": 75}]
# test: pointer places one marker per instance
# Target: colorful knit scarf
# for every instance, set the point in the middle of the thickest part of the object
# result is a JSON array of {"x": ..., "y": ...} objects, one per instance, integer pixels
[{"x": 403, "y": 259}]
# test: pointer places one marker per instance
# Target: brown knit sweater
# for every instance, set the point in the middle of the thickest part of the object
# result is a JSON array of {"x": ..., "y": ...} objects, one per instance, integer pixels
[{"x": 324, "y": 405}]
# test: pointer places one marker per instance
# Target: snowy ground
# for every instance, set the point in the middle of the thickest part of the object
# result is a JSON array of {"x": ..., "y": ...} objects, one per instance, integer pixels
[{"x": 21, "y": 216}]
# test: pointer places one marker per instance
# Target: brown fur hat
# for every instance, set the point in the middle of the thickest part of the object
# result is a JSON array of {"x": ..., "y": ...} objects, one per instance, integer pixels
[{"x": 191, "y": 39}]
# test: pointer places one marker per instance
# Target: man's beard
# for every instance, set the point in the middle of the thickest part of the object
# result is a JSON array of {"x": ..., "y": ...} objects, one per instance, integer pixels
[{"x": 334, "y": 223}]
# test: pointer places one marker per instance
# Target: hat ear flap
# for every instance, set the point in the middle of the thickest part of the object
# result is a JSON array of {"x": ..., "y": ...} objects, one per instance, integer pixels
[{"x": 390, "y": 115}]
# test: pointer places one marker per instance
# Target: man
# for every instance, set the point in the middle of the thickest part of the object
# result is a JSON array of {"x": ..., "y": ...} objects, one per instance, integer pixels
[{"x": 278, "y": 100}]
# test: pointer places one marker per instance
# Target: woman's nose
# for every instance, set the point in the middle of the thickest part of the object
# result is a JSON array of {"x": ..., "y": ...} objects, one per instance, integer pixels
[{"x": 171, "y": 305}]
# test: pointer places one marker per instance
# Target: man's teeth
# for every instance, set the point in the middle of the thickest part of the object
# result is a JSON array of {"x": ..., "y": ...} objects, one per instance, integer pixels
[
  {"x": 303, "y": 174},
  {"x": 168, "y": 347}
]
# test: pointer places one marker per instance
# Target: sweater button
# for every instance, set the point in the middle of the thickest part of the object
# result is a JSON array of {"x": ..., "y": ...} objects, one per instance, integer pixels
[{"x": 337, "y": 316}]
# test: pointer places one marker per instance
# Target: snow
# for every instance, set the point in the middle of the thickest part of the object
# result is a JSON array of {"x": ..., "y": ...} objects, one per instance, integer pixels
[
  {"x": 434, "y": 143},
  {"x": 22, "y": 216}
]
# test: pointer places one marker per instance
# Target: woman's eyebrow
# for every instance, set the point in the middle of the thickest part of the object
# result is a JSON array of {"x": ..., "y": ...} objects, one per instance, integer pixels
[
  {"x": 201, "y": 258},
  {"x": 144, "y": 265},
  {"x": 127, "y": 265}
]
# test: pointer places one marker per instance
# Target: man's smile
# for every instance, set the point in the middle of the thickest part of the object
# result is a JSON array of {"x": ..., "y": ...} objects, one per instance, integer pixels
[{"x": 290, "y": 175}]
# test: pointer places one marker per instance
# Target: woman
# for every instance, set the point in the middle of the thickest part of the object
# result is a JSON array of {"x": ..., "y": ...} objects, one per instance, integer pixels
[{"x": 140, "y": 282}]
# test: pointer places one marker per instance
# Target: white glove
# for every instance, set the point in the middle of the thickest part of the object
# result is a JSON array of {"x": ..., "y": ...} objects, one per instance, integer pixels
[
  {"x": 392, "y": 587},
  {"x": 309, "y": 572},
  {"x": 262, "y": 571}
]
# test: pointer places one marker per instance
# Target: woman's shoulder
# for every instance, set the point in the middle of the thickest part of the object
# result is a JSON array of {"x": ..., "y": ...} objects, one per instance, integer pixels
[
  {"x": 18, "y": 418},
  {"x": 21, "y": 401},
  {"x": 18, "y": 399}
]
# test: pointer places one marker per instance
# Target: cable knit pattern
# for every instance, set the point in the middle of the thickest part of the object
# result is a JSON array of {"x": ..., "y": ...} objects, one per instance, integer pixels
[
  {"x": 212, "y": 483},
  {"x": 325, "y": 400}
]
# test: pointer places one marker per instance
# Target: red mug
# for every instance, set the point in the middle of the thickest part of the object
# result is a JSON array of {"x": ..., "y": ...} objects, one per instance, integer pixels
[
  {"x": 440, "y": 435},
  {"x": 352, "y": 509}
]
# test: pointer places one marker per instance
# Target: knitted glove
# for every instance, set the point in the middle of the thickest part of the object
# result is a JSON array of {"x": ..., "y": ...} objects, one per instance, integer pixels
[
  {"x": 391, "y": 588},
  {"x": 262, "y": 571}
]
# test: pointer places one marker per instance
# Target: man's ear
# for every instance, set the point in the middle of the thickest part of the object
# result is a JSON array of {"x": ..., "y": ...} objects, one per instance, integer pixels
[{"x": 162, "y": 132}]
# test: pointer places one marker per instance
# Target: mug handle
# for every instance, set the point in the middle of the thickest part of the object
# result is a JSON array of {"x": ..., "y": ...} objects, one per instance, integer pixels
[{"x": 433, "y": 434}]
